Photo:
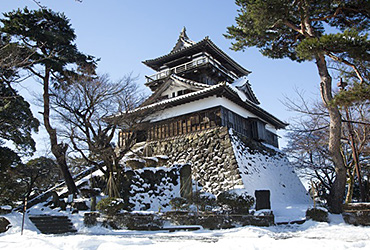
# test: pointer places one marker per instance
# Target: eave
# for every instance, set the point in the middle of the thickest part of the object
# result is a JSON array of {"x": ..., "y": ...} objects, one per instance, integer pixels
[
  {"x": 204, "y": 45},
  {"x": 221, "y": 90}
]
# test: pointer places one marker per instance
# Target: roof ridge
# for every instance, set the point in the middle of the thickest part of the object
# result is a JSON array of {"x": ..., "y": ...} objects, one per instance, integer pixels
[{"x": 189, "y": 81}]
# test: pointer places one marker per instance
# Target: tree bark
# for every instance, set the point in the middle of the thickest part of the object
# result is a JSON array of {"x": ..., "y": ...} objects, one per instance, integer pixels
[
  {"x": 337, "y": 190},
  {"x": 58, "y": 150},
  {"x": 350, "y": 186}
]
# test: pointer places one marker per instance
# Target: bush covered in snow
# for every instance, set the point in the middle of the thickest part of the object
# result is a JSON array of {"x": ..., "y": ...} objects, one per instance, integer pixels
[
  {"x": 204, "y": 201},
  {"x": 317, "y": 214},
  {"x": 236, "y": 203},
  {"x": 110, "y": 206},
  {"x": 179, "y": 203}
]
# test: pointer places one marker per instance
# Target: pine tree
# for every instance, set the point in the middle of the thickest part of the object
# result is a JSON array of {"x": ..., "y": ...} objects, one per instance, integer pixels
[
  {"x": 51, "y": 38},
  {"x": 302, "y": 30}
]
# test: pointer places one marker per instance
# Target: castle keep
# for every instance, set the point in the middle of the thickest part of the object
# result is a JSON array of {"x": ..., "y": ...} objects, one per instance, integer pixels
[
  {"x": 203, "y": 112},
  {"x": 197, "y": 86}
]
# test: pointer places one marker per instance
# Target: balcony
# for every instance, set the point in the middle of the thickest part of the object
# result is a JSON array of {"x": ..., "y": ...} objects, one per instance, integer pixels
[{"x": 200, "y": 61}]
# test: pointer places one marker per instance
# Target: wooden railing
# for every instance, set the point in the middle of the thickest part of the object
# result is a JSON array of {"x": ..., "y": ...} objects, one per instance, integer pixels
[{"x": 190, "y": 65}]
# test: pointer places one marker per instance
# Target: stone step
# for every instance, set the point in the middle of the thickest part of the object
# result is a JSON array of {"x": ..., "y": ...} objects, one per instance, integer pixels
[
  {"x": 53, "y": 224},
  {"x": 57, "y": 231}
]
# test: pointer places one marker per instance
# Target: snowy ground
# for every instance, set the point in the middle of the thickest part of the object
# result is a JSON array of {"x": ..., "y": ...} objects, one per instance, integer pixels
[{"x": 310, "y": 235}]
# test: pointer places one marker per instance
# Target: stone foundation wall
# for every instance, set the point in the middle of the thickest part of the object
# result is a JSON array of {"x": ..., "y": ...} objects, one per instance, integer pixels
[
  {"x": 137, "y": 221},
  {"x": 150, "y": 188},
  {"x": 210, "y": 152},
  {"x": 357, "y": 213}
]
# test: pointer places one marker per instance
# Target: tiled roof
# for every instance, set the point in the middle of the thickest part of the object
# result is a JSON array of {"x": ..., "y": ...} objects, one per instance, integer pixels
[
  {"x": 176, "y": 78},
  {"x": 205, "y": 42},
  {"x": 191, "y": 82},
  {"x": 224, "y": 88}
]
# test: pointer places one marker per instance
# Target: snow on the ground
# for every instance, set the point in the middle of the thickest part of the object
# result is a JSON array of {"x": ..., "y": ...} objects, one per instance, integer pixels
[{"x": 310, "y": 235}]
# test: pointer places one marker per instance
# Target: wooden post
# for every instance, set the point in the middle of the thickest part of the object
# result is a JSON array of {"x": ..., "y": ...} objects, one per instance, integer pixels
[{"x": 24, "y": 213}]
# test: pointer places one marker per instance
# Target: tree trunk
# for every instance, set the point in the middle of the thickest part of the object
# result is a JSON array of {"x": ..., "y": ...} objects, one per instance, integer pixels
[
  {"x": 58, "y": 150},
  {"x": 337, "y": 190},
  {"x": 350, "y": 186}
]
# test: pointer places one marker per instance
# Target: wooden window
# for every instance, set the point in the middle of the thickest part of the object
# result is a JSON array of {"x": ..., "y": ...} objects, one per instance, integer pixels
[
  {"x": 179, "y": 129},
  {"x": 167, "y": 130},
  {"x": 163, "y": 131},
  {"x": 170, "y": 132},
  {"x": 175, "y": 132}
]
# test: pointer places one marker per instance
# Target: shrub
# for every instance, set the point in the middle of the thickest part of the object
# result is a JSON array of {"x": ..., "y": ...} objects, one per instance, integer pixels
[
  {"x": 179, "y": 203},
  {"x": 110, "y": 206},
  {"x": 317, "y": 214},
  {"x": 205, "y": 201},
  {"x": 236, "y": 203}
]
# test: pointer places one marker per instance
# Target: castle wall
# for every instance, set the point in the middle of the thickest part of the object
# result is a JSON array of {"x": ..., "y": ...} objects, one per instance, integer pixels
[
  {"x": 220, "y": 160},
  {"x": 223, "y": 161},
  {"x": 214, "y": 166},
  {"x": 150, "y": 188}
]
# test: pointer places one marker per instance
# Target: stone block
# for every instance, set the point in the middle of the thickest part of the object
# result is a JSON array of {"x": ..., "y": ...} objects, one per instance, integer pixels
[
  {"x": 80, "y": 206},
  {"x": 135, "y": 163},
  {"x": 4, "y": 225},
  {"x": 150, "y": 162},
  {"x": 357, "y": 218},
  {"x": 317, "y": 214}
]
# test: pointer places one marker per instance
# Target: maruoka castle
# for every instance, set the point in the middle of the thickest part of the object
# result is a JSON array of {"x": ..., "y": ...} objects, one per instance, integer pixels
[{"x": 204, "y": 114}]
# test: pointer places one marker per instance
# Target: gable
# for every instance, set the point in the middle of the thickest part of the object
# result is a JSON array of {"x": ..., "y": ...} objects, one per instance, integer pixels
[
  {"x": 176, "y": 90},
  {"x": 242, "y": 85},
  {"x": 172, "y": 87}
]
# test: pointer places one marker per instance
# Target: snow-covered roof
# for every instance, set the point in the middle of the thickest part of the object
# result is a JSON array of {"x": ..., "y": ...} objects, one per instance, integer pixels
[
  {"x": 230, "y": 91},
  {"x": 173, "y": 100},
  {"x": 244, "y": 89}
]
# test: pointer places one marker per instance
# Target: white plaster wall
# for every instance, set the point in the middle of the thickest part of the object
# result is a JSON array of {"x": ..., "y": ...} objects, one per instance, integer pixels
[
  {"x": 271, "y": 128},
  {"x": 209, "y": 102}
]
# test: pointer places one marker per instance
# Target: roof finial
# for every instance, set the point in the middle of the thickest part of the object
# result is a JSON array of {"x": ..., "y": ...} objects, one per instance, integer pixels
[
  {"x": 183, "y": 41},
  {"x": 183, "y": 33}
]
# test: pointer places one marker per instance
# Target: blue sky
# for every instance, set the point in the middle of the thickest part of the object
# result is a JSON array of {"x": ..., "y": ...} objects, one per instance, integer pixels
[{"x": 122, "y": 33}]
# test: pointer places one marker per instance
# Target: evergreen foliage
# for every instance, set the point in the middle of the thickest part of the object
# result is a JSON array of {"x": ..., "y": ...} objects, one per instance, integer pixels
[
  {"x": 204, "y": 201},
  {"x": 237, "y": 203},
  {"x": 39, "y": 175},
  {"x": 49, "y": 35},
  {"x": 54, "y": 58},
  {"x": 273, "y": 26},
  {"x": 110, "y": 206},
  {"x": 16, "y": 120},
  {"x": 329, "y": 30},
  {"x": 179, "y": 203},
  {"x": 16, "y": 126}
]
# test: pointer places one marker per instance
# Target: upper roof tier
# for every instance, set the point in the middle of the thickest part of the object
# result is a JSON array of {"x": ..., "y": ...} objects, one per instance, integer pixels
[
  {"x": 185, "y": 47},
  {"x": 238, "y": 93},
  {"x": 183, "y": 41}
]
